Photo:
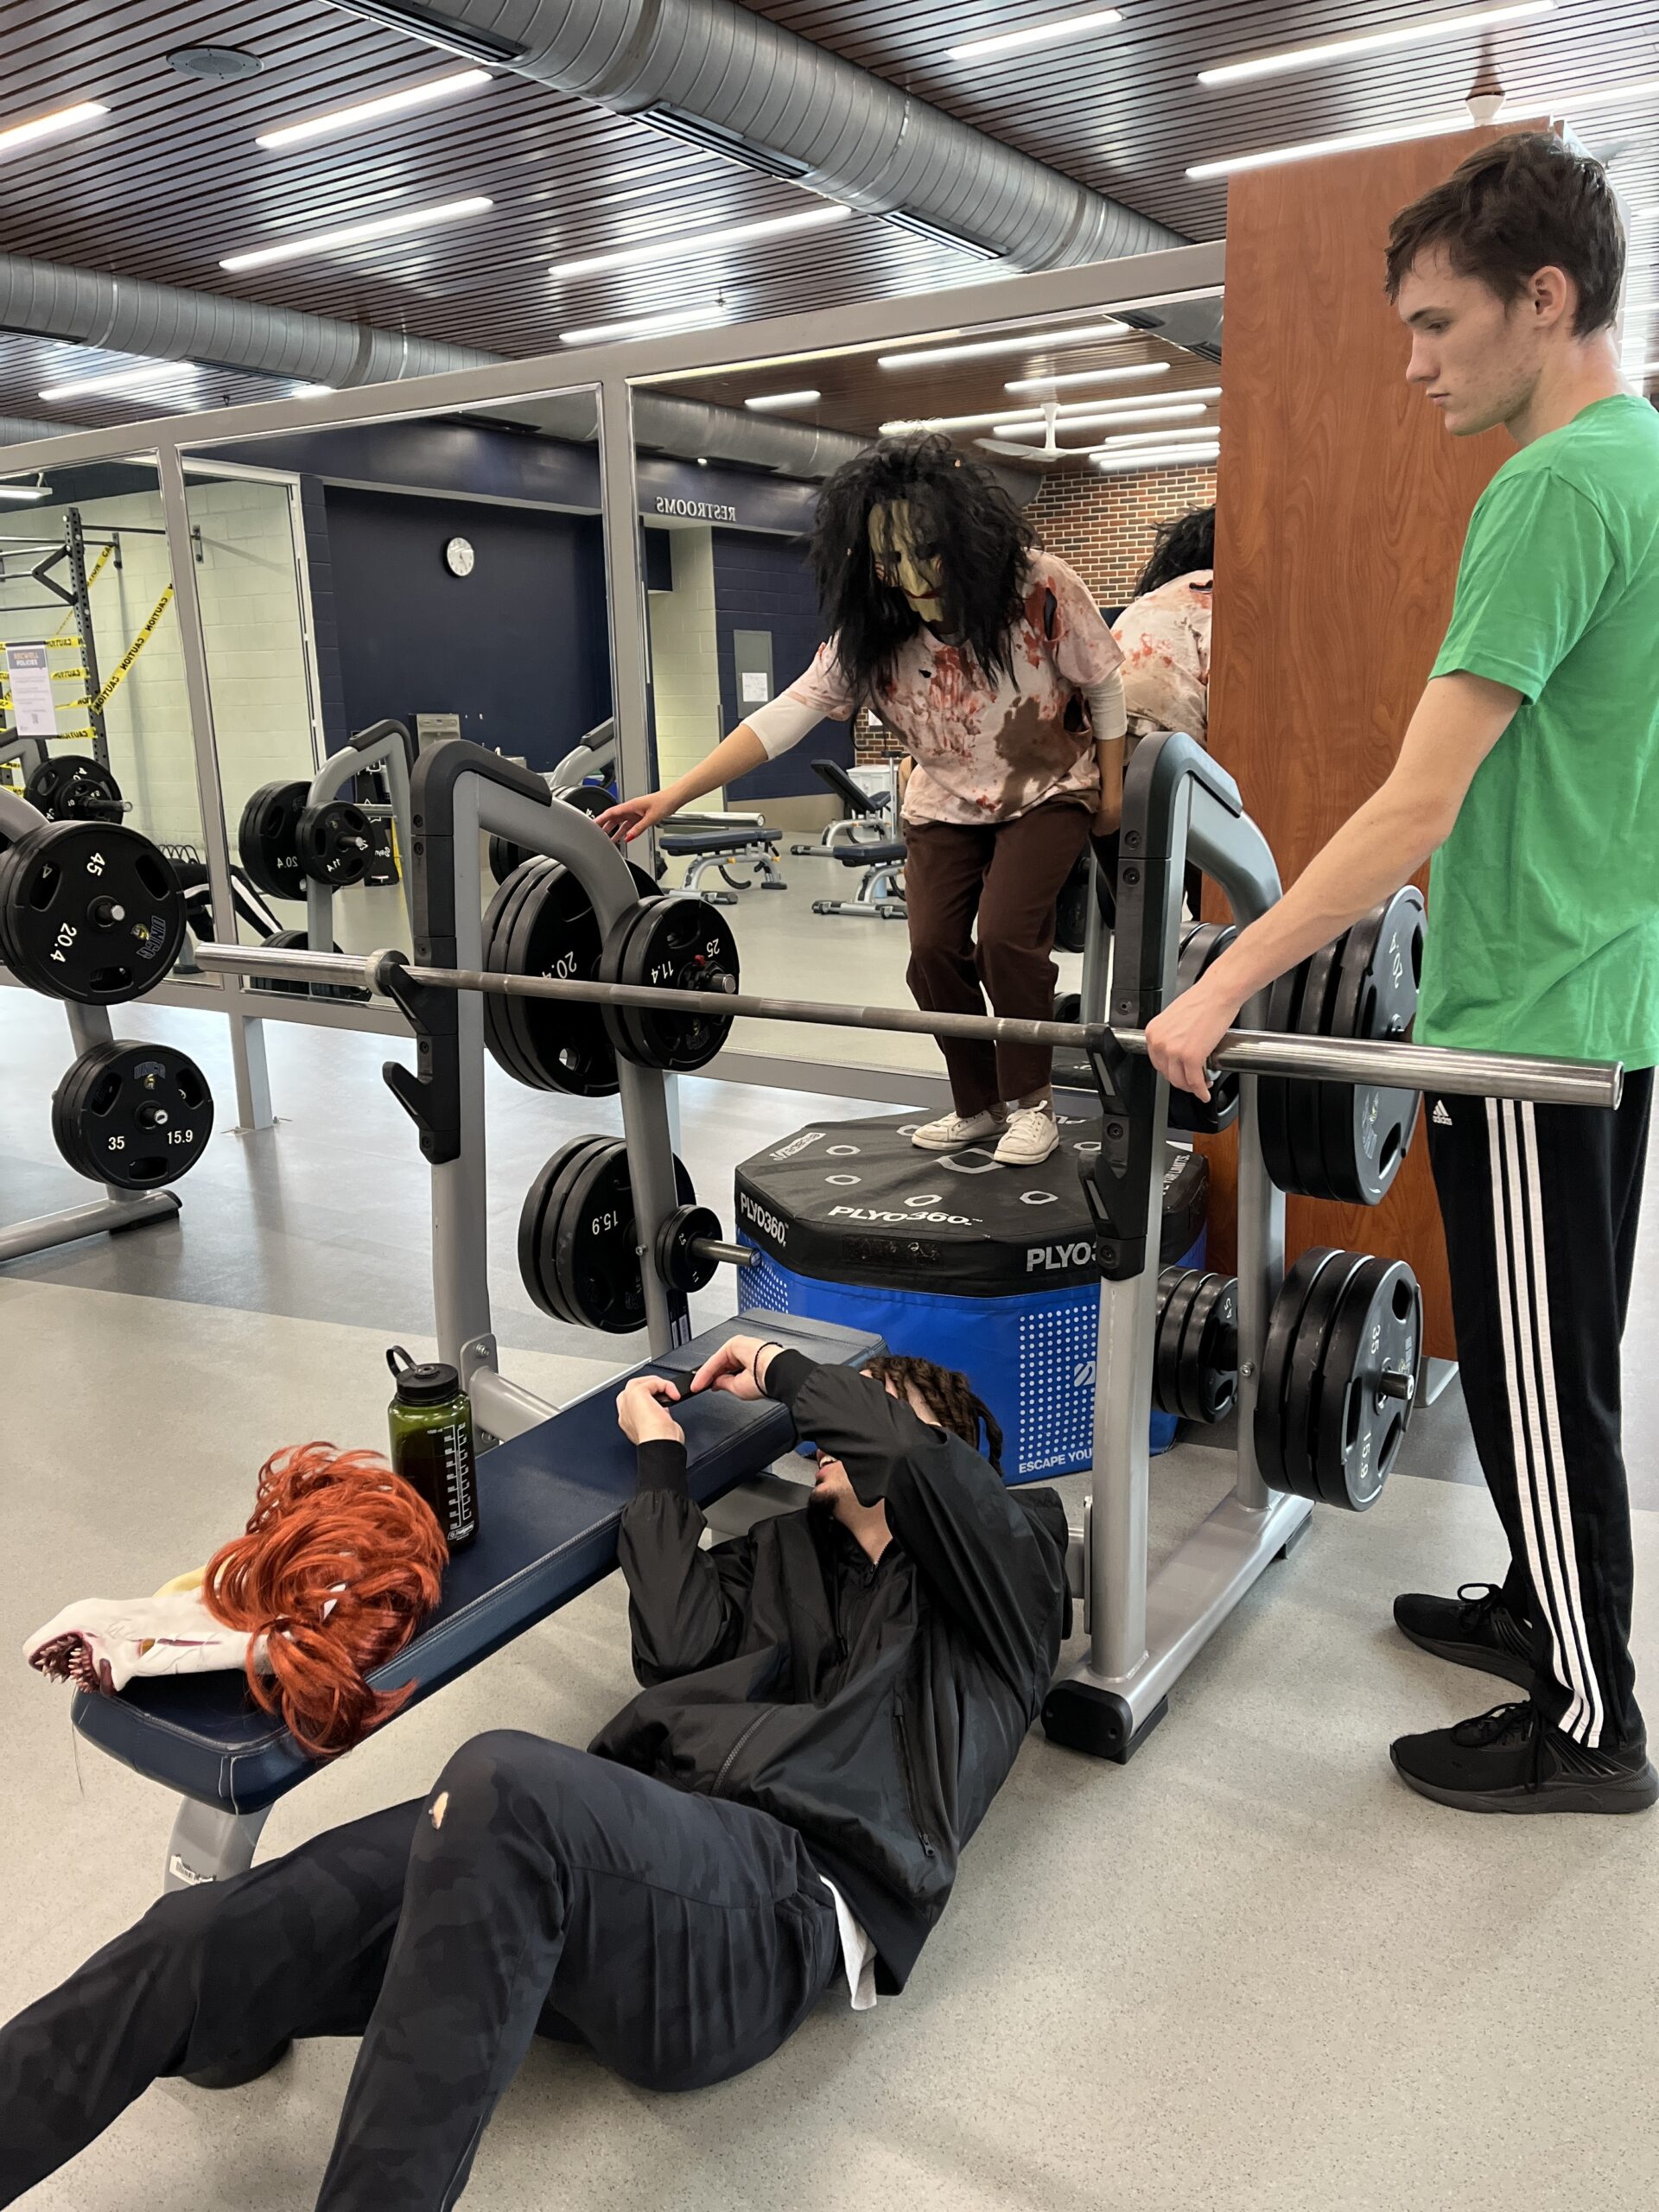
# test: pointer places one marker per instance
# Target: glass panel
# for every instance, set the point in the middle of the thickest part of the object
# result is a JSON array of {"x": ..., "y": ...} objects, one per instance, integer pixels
[
  {"x": 1080, "y": 418},
  {"x": 443, "y": 572},
  {"x": 84, "y": 575}
]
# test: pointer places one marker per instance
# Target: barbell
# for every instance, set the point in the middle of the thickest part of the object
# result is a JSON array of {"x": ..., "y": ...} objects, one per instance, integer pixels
[{"x": 1402, "y": 1066}]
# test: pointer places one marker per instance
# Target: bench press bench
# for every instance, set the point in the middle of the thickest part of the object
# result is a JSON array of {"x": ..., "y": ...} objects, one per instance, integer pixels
[
  {"x": 549, "y": 1504},
  {"x": 879, "y": 891},
  {"x": 725, "y": 846}
]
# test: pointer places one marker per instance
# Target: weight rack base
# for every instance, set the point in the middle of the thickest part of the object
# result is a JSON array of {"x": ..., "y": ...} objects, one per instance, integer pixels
[
  {"x": 1188, "y": 1599},
  {"x": 48, "y": 1230}
]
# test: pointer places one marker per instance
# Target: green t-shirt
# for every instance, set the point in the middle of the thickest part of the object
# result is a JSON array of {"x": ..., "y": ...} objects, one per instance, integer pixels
[{"x": 1544, "y": 901}]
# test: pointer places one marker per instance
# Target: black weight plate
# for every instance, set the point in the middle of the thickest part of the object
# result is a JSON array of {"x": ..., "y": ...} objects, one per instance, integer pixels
[
  {"x": 593, "y": 1238},
  {"x": 335, "y": 843},
  {"x": 535, "y": 1270},
  {"x": 1284, "y": 1323},
  {"x": 1166, "y": 1358},
  {"x": 1167, "y": 1279},
  {"x": 1302, "y": 1108},
  {"x": 555, "y": 931},
  {"x": 1201, "y": 943},
  {"x": 92, "y": 911},
  {"x": 618, "y": 965},
  {"x": 500, "y": 917},
  {"x": 587, "y": 799},
  {"x": 74, "y": 788},
  {"x": 505, "y": 858},
  {"x": 134, "y": 1115},
  {"x": 680, "y": 1265},
  {"x": 1186, "y": 1344},
  {"x": 1272, "y": 1091},
  {"x": 676, "y": 942},
  {"x": 1209, "y": 1370},
  {"x": 1357, "y": 1433},
  {"x": 1339, "y": 1103},
  {"x": 1306, "y": 1377},
  {"x": 265, "y": 838},
  {"x": 1366, "y": 1130}
]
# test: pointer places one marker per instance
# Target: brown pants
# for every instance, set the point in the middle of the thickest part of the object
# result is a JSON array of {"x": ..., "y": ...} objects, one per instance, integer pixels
[{"x": 1009, "y": 873}]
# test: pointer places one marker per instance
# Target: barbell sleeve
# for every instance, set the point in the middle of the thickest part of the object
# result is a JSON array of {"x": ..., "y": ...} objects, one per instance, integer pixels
[
  {"x": 730, "y": 1256},
  {"x": 1320, "y": 1059}
]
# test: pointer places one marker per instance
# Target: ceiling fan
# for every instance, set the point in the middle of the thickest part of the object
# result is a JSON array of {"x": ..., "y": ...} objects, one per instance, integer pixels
[{"x": 1043, "y": 456}]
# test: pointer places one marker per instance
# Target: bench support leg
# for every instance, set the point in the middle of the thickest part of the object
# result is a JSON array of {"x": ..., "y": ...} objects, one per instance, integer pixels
[{"x": 209, "y": 1844}]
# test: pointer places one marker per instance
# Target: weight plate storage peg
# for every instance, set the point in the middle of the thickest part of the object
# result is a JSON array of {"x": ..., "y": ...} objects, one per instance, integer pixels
[
  {"x": 135, "y": 1116},
  {"x": 1339, "y": 1377},
  {"x": 89, "y": 911},
  {"x": 335, "y": 843},
  {"x": 267, "y": 837},
  {"x": 676, "y": 942},
  {"x": 74, "y": 788}
]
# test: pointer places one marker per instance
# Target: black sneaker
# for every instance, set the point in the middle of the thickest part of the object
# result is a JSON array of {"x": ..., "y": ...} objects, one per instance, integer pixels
[
  {"x": 1509, "y": 1760},
  {"x": 1475, "y": 1629}
]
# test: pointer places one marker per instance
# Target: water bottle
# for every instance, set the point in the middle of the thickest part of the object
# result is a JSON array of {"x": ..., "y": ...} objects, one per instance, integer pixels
[{"x": 431, "y": 1420}]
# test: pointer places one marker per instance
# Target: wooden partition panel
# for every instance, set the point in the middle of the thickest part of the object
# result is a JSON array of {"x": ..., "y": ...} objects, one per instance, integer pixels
[{"x": 1342, "y": 504}]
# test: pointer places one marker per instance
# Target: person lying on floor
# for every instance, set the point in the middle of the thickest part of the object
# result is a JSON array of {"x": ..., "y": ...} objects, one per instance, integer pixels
[{"x": 829, "y": 1705}]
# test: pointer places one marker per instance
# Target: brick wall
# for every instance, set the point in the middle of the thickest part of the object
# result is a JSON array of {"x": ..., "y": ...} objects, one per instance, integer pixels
[{"x": 1102, "y": 526}]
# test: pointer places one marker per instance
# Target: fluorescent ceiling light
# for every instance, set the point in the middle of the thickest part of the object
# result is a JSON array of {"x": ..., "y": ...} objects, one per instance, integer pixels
[
  {"x": 1035, "y": 341},
  {"x": 1187, "y": 457},
  {"x": 25, "y": 491},
  {"x": 766, "y": 399},
  {"x": 48, "y": 126},
  {"x": 348, "y": 119},
  {"x": 122, "y": 379},
  {"x": 647, "y": 326},
  {"x": 1026, "y": 428},
  {"x": 1645, "y": 88},
  {"x": 1158, "y": 438},
  {"x": 309, "y": 390},
  {"x": 1050, "y": 33},
  {"x": 1089, "y": 376},
  {"x": 1426, "y": 28},
  {"x": 684, "y": 244},
  {"x": 378, "y": 226},
  {"x": 1386, "y": 134}
]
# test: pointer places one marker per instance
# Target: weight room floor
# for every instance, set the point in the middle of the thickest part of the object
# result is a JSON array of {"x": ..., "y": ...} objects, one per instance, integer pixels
[{"x": 1248, "y": 1970}]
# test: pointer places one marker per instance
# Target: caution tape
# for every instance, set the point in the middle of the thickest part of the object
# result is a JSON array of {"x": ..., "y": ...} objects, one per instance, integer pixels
[
  {"x": 52, "y": 644},
  {"x": 101, "y": 698},
  {"x": 97, "y": 567}
]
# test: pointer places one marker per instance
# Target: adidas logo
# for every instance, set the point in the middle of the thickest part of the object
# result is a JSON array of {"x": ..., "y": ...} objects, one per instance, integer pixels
[{"x": 1442, "y": 1118}]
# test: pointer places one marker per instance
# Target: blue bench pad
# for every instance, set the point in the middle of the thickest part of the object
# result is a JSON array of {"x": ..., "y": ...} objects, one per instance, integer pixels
[
  {"x": 550, "y": 1505},
  {"x": 682, "y": 842}
]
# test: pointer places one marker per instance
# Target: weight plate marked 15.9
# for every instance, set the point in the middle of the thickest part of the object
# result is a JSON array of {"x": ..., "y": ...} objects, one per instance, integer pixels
[{"x": 135, "y": 1116}]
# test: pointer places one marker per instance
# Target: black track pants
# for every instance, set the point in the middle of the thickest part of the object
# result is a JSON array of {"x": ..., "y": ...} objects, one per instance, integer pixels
[
  {"x": 1540, "y": 1206},
  {"x": 537, "y": 1890}
]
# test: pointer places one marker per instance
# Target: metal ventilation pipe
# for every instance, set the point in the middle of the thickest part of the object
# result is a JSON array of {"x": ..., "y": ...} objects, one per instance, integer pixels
[
  {"x": 716, "y": 72},
  {"x": 172, "y": 324}
]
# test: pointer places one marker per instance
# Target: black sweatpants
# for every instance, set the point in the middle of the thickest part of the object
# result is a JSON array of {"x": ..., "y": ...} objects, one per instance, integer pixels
[
  {"x": 537, "y": 1890},
  {"x": 1540, "y": 1206}
]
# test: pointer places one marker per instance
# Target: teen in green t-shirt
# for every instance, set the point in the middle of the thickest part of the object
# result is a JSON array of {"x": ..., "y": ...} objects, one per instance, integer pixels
[{"x": 1530, "y": 771}]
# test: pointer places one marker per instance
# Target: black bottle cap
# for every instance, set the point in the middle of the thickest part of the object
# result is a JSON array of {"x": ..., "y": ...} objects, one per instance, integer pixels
[{"x": 429, "y": 1382}]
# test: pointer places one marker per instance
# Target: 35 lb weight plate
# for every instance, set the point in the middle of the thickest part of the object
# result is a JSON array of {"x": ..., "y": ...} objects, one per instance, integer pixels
[
  {"x": 267, "y": 839},
  {"x": 578, "y": 1249},
  {"x": 335, "y": 843},
  {"x": 135, "y": 1116},
  {"x": 89, "y": 911},
  {"x": 550, "y": 1190},
  {"x": 676, "y": 942},
  {"x": 74, "y": 787}
]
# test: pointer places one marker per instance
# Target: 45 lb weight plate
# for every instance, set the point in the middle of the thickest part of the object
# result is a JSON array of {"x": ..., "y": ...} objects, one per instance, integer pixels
[
  {"x": 89, "y": 911},
  {"x": 267, "y": 839}
]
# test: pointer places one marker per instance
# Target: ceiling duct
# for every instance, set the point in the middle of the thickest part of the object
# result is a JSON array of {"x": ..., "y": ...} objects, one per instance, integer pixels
[{"x": 714, "y": 72}]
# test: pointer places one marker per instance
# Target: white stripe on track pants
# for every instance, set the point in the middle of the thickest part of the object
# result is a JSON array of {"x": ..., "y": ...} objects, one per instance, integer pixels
[{"x": 1540, "y": 1206}]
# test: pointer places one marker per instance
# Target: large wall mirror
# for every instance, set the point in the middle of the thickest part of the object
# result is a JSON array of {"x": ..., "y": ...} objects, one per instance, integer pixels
[
  {"x": 445, "y": 573},
  {"x": 94, "y": 686},
  {"x": 1098, "y": 424}
]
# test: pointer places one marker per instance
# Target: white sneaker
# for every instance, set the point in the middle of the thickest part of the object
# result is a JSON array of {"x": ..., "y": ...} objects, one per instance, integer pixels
[
  {"x": 1033, "y": 1134},
  {"x": 956, "y": 1130}
]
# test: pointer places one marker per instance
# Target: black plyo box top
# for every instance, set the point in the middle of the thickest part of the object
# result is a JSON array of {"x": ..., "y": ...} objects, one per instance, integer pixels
[{"x": 857, "y": 1202}]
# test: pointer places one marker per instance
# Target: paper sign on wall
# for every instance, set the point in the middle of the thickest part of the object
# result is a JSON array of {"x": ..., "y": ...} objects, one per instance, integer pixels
[
  {"x": 32, "y": 711},
  {"x": 756, "y": 690}
]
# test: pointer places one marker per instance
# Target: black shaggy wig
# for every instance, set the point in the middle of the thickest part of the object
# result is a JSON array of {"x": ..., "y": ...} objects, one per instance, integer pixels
[
  {"x": 960, "y": 516},
  {"x": 1186, "y": 544}
]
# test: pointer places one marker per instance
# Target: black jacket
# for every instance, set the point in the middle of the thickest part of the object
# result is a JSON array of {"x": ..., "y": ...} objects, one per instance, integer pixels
[{"x": 876, "y": 1709}]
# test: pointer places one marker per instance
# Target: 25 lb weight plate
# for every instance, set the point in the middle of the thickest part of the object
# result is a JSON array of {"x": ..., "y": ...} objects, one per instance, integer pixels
[
  {"x": 135, "y": 1116},
  {"x": 335, "y": 843},
  {"x": 74, "y": 788},
  {"x": 674, "y": 942},
  {"x": 89, "y": 911},
  {"x": 267, "y": 839},
  {"x": 1366, "y": 1131}
]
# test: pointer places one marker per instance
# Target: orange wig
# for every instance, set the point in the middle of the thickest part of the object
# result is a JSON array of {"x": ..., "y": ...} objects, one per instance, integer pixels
[{"x": 341, "y": 1563}]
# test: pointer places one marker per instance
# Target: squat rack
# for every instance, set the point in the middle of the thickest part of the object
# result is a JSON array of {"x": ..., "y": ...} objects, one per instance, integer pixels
[{"x": 1143, "y": 1629}]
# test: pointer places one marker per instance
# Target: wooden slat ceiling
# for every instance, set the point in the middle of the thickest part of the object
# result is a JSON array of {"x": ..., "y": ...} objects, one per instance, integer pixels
[{"x": 172, "y": 179}]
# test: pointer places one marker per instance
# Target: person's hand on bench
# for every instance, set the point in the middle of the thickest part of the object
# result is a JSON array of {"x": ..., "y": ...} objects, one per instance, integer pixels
[{"x": 642, "y": 1410}]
